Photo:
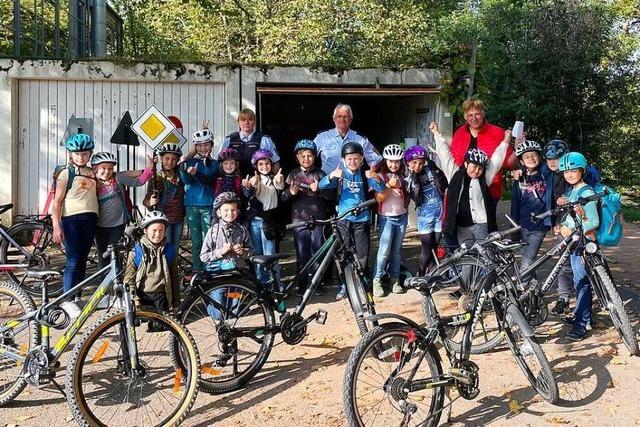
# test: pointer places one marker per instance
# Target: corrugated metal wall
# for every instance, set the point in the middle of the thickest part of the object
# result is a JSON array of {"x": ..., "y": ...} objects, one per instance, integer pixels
[{"x": 46, "y": 105}]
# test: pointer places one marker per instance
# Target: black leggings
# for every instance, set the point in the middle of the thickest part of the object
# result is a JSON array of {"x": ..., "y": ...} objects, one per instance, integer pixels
[{"x": 429, "y": 244}]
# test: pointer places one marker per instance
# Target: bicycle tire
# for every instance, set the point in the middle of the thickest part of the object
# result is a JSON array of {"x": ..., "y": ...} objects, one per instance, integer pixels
[
  {"x": 615, "y": 308},
  {"x": 362, "y": 355},
  {"x": 134, "y": 404},
  {"x": 208, "y": 332},
  {"x": 15, "y": 303},
  {"x": 37, "y": 239},
  {"x": 522, "y": 342},
  {"x": 360, "y": 300},
  {"x": 488, "y": 337}
]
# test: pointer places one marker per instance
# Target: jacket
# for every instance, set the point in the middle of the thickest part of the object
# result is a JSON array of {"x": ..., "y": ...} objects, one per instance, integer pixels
[
  {"x": 225, "y": 232},
  {"x": 198, "y": 191}
]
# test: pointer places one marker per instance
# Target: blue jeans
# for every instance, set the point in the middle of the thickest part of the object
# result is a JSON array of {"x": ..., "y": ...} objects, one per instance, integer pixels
[
  {"x": 173, "y": 234},
  {"x": 392, "y": 229},
  {"x": 307, "y": 243},
  {"x": 582, "y": 311},
  {"x": 472, "y": 234},
  {"x": 199, "y": 220},
  {"x": 263, "y": 246},
  {"x": 79, "y": 231},
  {"x": 529, "y": 252}
]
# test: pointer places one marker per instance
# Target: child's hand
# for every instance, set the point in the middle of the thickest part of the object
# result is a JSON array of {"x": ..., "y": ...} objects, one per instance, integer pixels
[
  {"x": 562, "y": 200},
  {"x": 238, "y": 249},
  {"x": 191, "y": 170},
  {"x": 507, "y": 136},
  {"x": 150, "y": 163},
  {"x": 154, "y": 199},
  {"x": 314, "y": 186},
  {"x": 279, "y": 178},
  {"x": 516, "y": 174},
  {"x": 433, "y": 127},
  {"x": 246, "y": 183},
  {"x": 556, "y": 230},
  {"x": 255, "y": 179},
  {"x": 293, "y": 189},
  {"x": 371, "y": 174},
  {"x": 205, "y": 124},
  {"x": 393, "y": 182},
  {"x": 337, "y": 173},
  {"x": 226, "y": 248},
  {"x": 58, "y": 236}
]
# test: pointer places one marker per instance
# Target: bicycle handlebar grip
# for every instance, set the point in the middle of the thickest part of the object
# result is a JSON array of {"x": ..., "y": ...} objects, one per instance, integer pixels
[
  {"x": 509, "y": 231},
  {"x": 295, "y": 225},
  {"x": 367, "y": 204}
]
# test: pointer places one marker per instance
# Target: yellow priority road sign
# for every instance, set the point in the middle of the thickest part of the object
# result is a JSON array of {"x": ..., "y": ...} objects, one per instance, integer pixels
[
  {"x": 153, "y": 127},
  {"x": 175, "y": 137}
]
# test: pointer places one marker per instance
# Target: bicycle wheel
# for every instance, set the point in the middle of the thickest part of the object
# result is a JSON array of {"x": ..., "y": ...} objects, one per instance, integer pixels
[
  {"x": 36, "y": 238},
  {"x": 361, "y": 301},
  {"x": 529, "y": 354},
  {"x": 467, "y": 274},
  {"x": 20, "y": 338},
  {"x": 233, "y": 328},
  {"x": 612, "y": 302},
  {"x": 102, "y": 388},
  {"x": 373, "y": 392}
]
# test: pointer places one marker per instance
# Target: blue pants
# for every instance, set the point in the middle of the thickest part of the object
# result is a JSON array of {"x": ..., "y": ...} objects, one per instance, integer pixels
[
  {"x": 263, "y": 246},
  {"x": 392, "y": 229},
  {"x": 307, "y": 243},
  {"x": 199, "y": 220},
  {"x": 529, "y": 252},
  {"x": 173, "y": 234},
  {"x": 582, "y": 311},
  {"x": 79, "y": 231}
]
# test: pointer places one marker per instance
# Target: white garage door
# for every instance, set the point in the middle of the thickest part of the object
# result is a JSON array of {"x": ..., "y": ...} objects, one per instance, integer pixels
[{"x": 46, "y": 105}]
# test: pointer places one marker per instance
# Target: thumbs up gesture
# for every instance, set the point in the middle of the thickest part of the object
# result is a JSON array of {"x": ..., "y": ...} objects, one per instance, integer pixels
[
  {"x": 371, "y": 174},
  {"x": 255, "y": 179},
  {"x": 279, "y": 178},
  {"x": 337, "y": 173},
  {"x": 314, "y": 186},
  {"x": 246, "y": 182},
  {"x": 393, "y": 182},
  {"x": 433, "y": 127},
  {"x": 192, "y": 169}
]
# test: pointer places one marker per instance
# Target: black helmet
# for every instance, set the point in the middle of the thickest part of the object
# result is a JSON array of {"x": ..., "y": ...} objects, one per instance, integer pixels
[{"x": 352, "y": 148}]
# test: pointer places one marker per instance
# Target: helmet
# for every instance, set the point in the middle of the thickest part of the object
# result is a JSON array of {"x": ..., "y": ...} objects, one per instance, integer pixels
[
  {"x": 415, "y": 152},
  {"x": 103, "y": 158},
  {"x": 305, "y": 144},
  {"x": 352, "y": 148},
  {"x": 203, "y": 136},
  {"x": 261, "y": 154},
  {"x": 477, "y": 157},
  {"x": 571, "y": 161},
  {"x": 228, "y": 154},
  {"x": 170, "y": 148},
  {"x": 526, "y": 146},
  {"x": 555, "y": 149},
  {"x": 79, "y": 142},
  {"x": 226, "y": 197},
  {"x": 393, "y": 152},
  {"x": 154, "y": 216}
]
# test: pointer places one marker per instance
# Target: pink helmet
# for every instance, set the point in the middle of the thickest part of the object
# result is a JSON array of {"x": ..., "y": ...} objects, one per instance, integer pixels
[{"x": 261, "y": 154}]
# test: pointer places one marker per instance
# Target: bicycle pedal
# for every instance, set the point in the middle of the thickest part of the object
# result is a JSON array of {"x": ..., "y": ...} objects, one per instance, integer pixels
[{"x": 321, "y": 317}]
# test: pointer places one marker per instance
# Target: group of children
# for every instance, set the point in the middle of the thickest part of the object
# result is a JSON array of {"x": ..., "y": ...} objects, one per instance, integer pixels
[{"x": 230, "y": 217}]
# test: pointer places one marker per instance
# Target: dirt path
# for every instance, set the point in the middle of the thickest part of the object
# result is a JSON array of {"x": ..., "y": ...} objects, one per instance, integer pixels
[{"x": 302, "y": 385}]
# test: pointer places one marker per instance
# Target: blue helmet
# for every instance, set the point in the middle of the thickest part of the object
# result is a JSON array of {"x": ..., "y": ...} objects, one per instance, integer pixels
[
  {"x": 555, "y": 149},
  {"x": 79, "y": 142},
  {"x": 572, "y": 161},
  {"x": 305, "y": 144}
]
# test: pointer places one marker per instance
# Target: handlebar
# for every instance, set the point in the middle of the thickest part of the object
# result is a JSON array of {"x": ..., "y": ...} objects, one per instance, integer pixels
[
  {"x": 312, "y": 222},
  {"x": 558, "y": 210}
]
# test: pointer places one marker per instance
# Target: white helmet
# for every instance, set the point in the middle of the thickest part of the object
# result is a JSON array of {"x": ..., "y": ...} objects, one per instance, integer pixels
[
  {"x": 154, "y": 216},
  {"x": 169, "y": 148},
  {"x": 103, "y": 158},
  {"x": 393, "y": 152},
  {"x": 526, "y": 146},
  {"x": 203, "y": 136}
]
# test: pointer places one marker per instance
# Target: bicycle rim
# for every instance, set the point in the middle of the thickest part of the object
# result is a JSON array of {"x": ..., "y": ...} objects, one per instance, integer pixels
[
  {"x": 103, "y": 389},
  {"x": 373, "y": 394},
  {"x": 229, "y": 361}
]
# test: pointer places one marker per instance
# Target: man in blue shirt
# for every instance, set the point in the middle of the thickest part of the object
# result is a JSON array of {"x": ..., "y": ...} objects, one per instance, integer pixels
[{"x": 330, "y": 142}]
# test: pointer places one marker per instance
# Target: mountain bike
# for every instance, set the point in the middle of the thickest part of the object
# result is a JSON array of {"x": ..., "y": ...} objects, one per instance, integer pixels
[
  {"x": 232, "y": 316},
  {"x": 394, "y": 375},
  {"x": 118, "y": 372}
]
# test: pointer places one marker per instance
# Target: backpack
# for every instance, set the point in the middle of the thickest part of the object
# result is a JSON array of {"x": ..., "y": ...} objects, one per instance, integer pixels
[
  {"x": 72, "y": 174},
  {"x": 610, "y": 230},
  {"x": 169, "y": 252}
]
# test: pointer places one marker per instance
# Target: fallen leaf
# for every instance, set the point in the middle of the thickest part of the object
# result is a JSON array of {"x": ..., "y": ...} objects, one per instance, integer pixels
[
  {"x": 558, "y": 420},
  {"x": 618, "y": 361},
  {"x": 418, "y": 398},
  {"x": 515, "y": 406},
  {"x": 24, "y": 417},
  {"x": 612, "y": 409}
]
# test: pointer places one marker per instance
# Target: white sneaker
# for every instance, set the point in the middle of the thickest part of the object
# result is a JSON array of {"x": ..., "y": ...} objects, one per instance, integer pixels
[{"x": 71, "y": 308}]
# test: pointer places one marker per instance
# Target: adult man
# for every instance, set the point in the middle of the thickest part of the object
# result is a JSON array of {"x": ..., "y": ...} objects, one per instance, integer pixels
[
  {"x": 478, "y": 133},
  {"x": 330, "y": 142},
  {"x": 246, "y": 141}
]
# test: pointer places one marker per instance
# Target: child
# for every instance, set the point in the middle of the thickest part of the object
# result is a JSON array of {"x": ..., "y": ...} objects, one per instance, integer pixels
[
  {"x": 426, "y": 186},
  {"x": 112, "y": 199},
  {"x": 198, "y": 193},
  {"x": 152, "y": 266},
  {"x": 75, "y": 214},
  {"x": 229, "y": 178},
  {"x": 531, "y": 195},
  {"x": 352, "y": 188},
  {"x": 165, "y": 192},
  {"x": 471, "y": 213},
  {"x": 574, "y": 166},
  {"x": 307, "y": 201},
  {"x": 392, "y": 219},
  {"x": 262, "y": 191}
]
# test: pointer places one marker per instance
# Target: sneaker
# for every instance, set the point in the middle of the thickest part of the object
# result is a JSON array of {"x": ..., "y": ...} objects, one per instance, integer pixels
[
  {"x": 395, "y": 286},
  {"x": 576, "y": 334},
  {"x": 342, "y": 293},
  {"x": 561, "y": 307},
  {"x": 378, "y": 290},
  {"x": 319, "y": 291},
  {"x": 71, "y": 308}
]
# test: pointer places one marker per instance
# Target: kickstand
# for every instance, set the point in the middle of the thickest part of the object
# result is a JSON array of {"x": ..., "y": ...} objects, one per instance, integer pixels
[
  {"x": 448, "y": 396},
  {"x": 60, "y": 389}
]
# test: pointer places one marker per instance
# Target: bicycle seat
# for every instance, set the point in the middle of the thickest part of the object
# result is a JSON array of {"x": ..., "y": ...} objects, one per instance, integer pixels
[
  {"x": 267, "y": 260},
  {"x": 4, "y": 208},
  {"x": 509, "y": 245},
  {"x": 422, "y": 283},
  {"x": 41, "y": 274}
]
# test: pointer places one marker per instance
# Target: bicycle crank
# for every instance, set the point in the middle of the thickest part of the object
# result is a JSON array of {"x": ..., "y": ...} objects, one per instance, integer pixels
[{"x": 465, "y": 374}]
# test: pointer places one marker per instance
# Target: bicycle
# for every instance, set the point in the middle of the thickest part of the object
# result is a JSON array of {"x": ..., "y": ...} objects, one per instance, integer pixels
[
  {"x": 231, "y": 314},
  {"x": 117, "y": 373},
  {"x": 397, "y": 365}
]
